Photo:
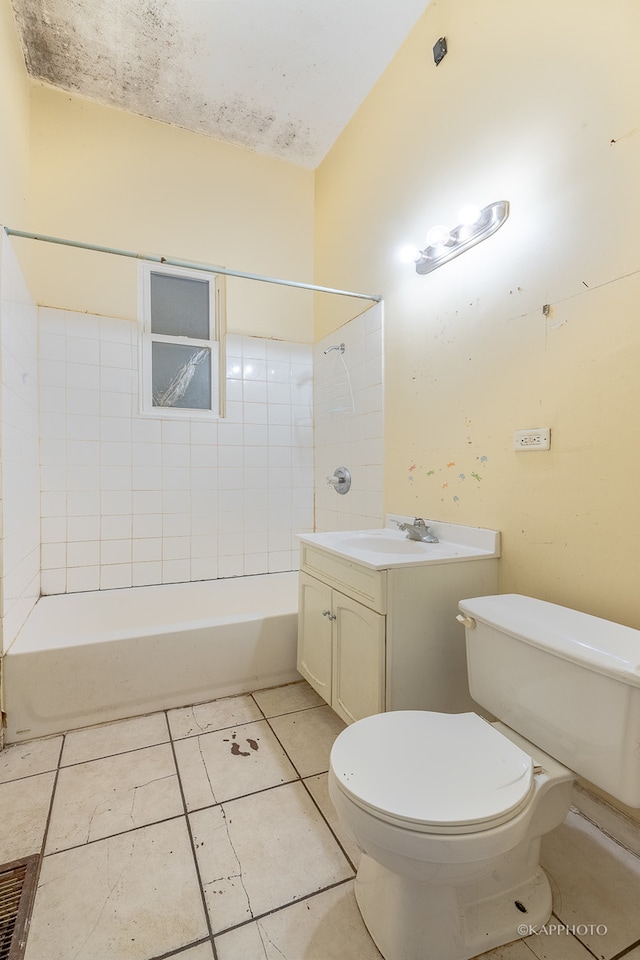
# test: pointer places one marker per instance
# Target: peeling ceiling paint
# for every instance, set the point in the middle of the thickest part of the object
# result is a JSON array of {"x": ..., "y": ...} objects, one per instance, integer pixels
[{"x": 281, "y": 77}]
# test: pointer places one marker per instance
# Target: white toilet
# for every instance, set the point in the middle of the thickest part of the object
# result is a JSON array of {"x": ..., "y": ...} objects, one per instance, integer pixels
[{"x": 449, "y": 809}]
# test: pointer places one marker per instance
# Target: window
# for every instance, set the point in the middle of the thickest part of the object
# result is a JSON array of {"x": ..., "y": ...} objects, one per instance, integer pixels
[{"x": 182, "y": 323}]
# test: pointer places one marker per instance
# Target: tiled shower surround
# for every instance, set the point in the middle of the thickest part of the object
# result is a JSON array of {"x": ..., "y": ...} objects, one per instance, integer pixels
[
  {"x": 129, "y": 499},
  {"x": 94, "y": 495},
  {"x": 349, "y": 424}
]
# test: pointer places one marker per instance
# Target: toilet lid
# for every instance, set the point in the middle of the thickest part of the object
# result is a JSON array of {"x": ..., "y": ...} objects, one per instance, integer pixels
[{"x": 439, "y": 770}]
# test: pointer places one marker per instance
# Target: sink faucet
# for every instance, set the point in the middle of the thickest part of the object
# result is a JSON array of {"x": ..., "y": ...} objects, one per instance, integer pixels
[{"x": 418, "y": 530}]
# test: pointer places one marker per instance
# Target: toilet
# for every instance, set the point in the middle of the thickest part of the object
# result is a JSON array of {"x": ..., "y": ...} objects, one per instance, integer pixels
[{"x": 449, "y": 810}]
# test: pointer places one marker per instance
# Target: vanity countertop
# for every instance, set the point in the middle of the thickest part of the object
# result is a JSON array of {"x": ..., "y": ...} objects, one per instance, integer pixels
[{"x": 388, "y": 547}]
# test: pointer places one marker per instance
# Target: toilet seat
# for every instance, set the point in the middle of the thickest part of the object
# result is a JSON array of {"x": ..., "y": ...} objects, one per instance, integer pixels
[{"x": 434, "y": 772}]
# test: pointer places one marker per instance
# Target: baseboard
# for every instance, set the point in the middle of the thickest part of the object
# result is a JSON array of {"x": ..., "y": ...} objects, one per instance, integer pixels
[{"x": 616, "y": 824}]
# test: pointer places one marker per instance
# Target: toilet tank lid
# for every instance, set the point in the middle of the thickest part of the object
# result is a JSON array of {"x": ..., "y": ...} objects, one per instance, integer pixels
[{"x": 600, "y": 645}]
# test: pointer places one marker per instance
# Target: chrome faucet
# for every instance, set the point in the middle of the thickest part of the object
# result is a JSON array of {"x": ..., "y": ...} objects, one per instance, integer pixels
[{"x": 418, "y": 530}]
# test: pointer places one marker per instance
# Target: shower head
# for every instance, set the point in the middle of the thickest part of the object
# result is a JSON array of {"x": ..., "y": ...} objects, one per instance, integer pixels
[{"x": 336, "y": 346}]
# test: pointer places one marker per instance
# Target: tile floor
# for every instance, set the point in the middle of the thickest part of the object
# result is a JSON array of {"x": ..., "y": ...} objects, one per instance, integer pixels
[{"x": 206, "y": 833}]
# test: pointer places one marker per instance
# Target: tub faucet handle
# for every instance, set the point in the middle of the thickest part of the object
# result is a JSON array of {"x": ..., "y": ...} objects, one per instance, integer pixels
[{"x": 341, "y": 480}]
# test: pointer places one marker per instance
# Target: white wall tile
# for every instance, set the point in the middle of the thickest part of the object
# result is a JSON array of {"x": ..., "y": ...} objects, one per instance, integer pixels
[
  {"x": 116, "y": 575},
  {"x": 145, "y": 574},
  {"x": 170, "y": 492},
  {"x": 83, "y": 554},
  {"x": 83, "y": 578}
]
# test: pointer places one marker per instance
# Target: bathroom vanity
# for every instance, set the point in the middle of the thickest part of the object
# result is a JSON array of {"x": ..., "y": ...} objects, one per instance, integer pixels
[{"x": 377, "y": 625}]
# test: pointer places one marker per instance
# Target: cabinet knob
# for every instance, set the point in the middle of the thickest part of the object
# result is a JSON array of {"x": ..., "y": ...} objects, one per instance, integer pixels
[{"x": 327, "y": 613}]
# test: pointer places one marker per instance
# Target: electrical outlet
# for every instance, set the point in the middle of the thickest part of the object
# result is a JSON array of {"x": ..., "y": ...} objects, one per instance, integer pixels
[{"x": 537, "y": 438}]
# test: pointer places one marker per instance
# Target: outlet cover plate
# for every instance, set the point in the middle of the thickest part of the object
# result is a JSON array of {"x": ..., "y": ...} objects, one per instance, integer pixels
[{"x": 536, "y": 438}]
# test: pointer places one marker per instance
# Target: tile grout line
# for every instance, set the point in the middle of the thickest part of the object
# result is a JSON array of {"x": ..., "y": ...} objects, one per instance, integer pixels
[
  {"x": 285, "y": 906},
  {"x": 306, "y": 788},
  {"x": 191, "y": 840},
  {"x": 46, "y": 832},
  {"x": 47, "y": 825},
  {"x": 622, "y": 953}
]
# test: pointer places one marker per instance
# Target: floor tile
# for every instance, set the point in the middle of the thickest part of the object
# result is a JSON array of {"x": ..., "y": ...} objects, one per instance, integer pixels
[
  {"x": 595, "y": 881},
  {"x": 263, "y": 852},
  {"x": 111, "y": 738},
  {"x": 510, "y": 951},
  {"x": 555, "y": 943},
  {"x": 204, "y": 951},
  {"x": 288, "y": 699},
  {"x": 27, "y": 759},
  {"x": 189, "y": 721},
  {"x": 104, "y": 797},
  {"x": 129, "y": 897},
  {"x": 24, "y": 808},
  {"x": 633, "y": 955},
  {"x": 231, "y": 763},
  {"x": 324, "y": 927},
  {"x": 318, "y": 787},
  {"x": 308, "y": 736}
]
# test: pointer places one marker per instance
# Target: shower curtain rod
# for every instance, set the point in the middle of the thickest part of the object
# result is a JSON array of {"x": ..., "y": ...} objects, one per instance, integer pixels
[{"x": 188, "y": 264}]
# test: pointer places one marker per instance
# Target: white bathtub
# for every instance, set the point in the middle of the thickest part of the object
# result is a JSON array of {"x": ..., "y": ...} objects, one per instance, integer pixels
[{"x": 87, "y": 658}]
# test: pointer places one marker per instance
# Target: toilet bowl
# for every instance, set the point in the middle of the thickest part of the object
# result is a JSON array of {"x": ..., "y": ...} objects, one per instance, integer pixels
[{"x": 449, "y": 810}]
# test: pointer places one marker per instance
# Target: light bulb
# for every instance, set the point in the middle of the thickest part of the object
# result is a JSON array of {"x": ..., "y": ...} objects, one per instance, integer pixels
[
  {"x": 409, "y": 254},
  {"x": 438, "y": 236},
  {"x": 470, "y": 214}
]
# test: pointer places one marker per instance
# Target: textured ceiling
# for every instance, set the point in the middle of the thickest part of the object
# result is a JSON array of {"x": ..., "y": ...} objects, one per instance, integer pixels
[{"x": 281, "y": 77}]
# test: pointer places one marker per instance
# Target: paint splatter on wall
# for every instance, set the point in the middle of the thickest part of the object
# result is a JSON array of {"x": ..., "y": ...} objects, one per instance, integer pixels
[{"x": 453, "y": 485}]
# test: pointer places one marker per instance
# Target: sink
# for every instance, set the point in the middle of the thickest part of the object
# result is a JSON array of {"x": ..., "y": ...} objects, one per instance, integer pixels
[
  {"x": 389, "y": 547},
  {"x": 387, "y": 542}
]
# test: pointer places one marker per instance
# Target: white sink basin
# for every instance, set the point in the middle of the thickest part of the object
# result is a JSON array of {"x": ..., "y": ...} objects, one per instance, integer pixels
[
  {"x": 390, "y": 547},
  {"x": 383, "y": 541}
]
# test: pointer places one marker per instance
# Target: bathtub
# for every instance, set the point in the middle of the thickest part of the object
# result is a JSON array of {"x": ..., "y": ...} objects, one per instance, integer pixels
[{"x": 87, "y": 658}]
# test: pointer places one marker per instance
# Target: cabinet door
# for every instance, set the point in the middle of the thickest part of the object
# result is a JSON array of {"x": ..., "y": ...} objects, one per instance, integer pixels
[
  {"x": 314, "y": 635},
  {"x": 358, "y": 660}
]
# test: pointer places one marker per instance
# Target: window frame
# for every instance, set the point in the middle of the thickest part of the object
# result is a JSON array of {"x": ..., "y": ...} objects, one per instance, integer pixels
[{"x": 215, "y": 342}]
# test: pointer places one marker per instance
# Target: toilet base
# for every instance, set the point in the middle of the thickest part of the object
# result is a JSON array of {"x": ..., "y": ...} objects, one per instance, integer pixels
[{"x": 409, "y": 920}]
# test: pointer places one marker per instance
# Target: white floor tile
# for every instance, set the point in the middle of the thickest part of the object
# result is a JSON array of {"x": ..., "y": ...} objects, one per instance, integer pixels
[
  {"x": 308, "y": 736},
  {"x": 595, "y": 881},
  {"x": 557, "y": 944},
  {"x": 231, "y": 763},
  {"x": 325, "y": 927},
  {"x": 111, "y": 738},
  {"x": 26, "y": 759},
  {"x": 263, "y": 852},
  {"x": 129, "y": 897},
  {"x": 24, "y": 808},
  {"x": 124, "y": 884},
  {"x": 319, "y": 789},
  {"x": 510, "y": 951},
  {"x": 204, "y": 951},
  {"x": 103, "y": 797},
  {"x": 288, "y": 699},
  {"x": 215, "y": 715}
]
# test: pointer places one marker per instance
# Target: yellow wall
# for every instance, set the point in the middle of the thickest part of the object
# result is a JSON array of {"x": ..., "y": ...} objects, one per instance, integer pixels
[
  {"x": 538, "y": 104},
  {"x": 107, "y": 177},
  {"x": 14, "y": 121}
]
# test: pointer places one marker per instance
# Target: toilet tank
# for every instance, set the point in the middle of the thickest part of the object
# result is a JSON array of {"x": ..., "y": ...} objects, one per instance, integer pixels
[{"x": 567, "y": 681}]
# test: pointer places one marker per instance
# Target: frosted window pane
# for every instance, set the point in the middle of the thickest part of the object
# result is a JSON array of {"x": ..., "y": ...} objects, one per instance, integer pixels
[
  {"x": 179, "y": 306},
  {"x": 181, "y": 376}
]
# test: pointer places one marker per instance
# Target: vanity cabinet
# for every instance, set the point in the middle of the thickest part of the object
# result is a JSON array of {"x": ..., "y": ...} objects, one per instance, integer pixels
[
  {"x": 341, "y": 649},
  {"x": 371, "y": 640}
]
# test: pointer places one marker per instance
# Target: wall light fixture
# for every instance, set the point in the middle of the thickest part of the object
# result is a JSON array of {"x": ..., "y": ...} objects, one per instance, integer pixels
[{"x": 476, "y": 224}]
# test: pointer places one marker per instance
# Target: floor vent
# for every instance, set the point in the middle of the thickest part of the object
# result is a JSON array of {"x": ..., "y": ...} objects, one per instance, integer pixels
[{"x": 17, "y": 891}]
